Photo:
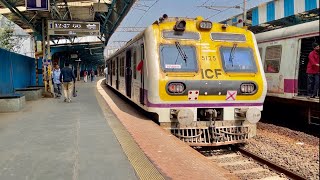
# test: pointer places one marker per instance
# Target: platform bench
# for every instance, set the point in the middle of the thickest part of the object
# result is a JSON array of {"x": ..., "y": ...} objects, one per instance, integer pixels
[
  {"x": 39, "y": 86},
  {"x": 12, "y": 103},
  {"x": 29, "y": 93}
]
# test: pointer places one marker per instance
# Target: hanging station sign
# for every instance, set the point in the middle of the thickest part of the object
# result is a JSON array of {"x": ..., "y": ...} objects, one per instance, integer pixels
[
  {"x": 37, "y": 5},
  {"x": 73, "y": 28}
]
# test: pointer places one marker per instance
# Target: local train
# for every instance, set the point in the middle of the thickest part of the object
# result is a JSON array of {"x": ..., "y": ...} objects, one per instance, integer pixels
[
  {"x": 205, "y": 81},
  {"x": 284, "y": 53}
]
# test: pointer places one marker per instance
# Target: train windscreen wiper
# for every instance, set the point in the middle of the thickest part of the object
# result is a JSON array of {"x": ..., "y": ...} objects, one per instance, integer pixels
[
  {"x": 181, "y": 52},
  {"x": 231, "y": 56}
]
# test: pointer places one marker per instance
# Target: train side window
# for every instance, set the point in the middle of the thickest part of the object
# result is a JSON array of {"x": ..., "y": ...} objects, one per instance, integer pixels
[
  {"x": 273, "y": 59},
  {"x": 134, "y": 64},
  {"x": 122, "y": 67},
  {"x": 113, "y": 67},
  {"x": 110, "y": 68},
  {"x": 142, "y": 51}
]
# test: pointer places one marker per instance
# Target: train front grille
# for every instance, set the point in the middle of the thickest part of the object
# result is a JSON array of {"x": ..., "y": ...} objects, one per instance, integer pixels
[{"x": 211, "y": 136}]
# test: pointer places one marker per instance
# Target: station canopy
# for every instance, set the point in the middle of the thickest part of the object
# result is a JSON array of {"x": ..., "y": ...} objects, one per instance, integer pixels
[
  {"x": 107, "y": 13},
  {"x": 276, "y": 14}
]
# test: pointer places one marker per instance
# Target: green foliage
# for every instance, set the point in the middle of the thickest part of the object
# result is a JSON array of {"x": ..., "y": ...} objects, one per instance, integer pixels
[{"x": 8, "y": 40}]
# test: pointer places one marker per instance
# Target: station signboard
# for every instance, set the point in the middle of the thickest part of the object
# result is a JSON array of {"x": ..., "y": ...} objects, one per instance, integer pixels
[
  {"x": 37, "y": 5},
  {"x": 73, "y": 28}
]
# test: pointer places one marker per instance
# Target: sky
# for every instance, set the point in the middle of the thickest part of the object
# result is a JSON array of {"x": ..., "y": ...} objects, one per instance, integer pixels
[{"x": 144, "y": 12}]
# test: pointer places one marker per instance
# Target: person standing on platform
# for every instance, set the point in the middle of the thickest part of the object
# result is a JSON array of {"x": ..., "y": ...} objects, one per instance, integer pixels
[
  {"x": 313, "y": 71},
  {"x": 66, "y": 77},
  {"x": 92, "y": 75},
  {"x": 85, "y": 76},
  {"x": 106, "y": 73},
  {"x": 56, "y": 81}
]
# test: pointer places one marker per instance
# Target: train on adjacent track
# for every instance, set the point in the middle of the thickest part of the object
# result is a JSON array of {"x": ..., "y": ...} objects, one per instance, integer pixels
[
  {"x": 205, "y": 81},
  {"x": 284, "y": 53}
]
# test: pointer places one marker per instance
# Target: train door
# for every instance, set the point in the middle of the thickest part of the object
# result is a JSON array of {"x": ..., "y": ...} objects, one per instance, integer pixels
[
  {"x": 117, "y": 74},
  {"x": 111, "y": 70},
  {"x": 128, "y": 73},
  {"x": 142, "y": 75},
  {"x": 306, "y": 48}
]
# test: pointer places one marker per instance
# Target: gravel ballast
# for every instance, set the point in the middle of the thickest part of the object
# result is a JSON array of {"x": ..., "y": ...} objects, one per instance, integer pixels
[{"x": 296, "y": 151}]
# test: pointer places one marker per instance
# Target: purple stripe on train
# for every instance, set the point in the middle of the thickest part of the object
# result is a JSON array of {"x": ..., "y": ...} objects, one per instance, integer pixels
[{"x": 290, "y": 85}]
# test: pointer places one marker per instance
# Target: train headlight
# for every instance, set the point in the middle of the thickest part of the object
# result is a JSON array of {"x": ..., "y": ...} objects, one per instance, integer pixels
[
  {"x": 180, "y": 25},
  {"x": 206, "y": 25},
  {"x": 176, "y": 88},
  {"x": 248, "y": 88}
]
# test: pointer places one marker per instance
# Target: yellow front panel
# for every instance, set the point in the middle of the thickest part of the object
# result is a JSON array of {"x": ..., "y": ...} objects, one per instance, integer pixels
[{"x": 210, "y": 66}]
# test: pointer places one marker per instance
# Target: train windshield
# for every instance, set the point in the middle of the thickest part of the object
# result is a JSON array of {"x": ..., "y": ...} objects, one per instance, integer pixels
[
  {"x": 178, "y": 58},
  {"x": 237, "y": 59}
]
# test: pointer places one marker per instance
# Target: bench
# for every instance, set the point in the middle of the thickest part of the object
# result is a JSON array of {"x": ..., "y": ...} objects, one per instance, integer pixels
[
  {"x": 12, "y": 103},
  {"x": 30, "y": 93},
  {"x": 39, "y": 86}
]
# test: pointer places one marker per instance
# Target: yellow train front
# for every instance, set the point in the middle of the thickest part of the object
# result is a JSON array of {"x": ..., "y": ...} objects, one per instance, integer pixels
[{"x": 204, "y": 80}]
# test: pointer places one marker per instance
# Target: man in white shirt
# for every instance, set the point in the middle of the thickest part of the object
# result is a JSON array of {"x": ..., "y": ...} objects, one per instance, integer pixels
[
  {"x": 106, "y": 73},
  {"x": 56, "y": 81}
]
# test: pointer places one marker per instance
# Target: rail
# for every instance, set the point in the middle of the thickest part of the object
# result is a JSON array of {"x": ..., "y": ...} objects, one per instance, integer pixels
[{"x": 271, "y": 165}]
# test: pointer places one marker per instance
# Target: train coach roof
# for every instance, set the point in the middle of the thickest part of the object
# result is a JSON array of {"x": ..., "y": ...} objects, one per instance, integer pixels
[{"x": 297, "y": 30}]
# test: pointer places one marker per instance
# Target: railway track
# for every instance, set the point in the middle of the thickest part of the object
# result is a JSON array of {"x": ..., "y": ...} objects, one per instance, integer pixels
[{"x": 247, "y": 165}]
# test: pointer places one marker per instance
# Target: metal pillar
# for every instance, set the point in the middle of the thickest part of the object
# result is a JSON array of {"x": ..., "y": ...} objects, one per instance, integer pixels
[
  {"x": 46, "y": 61},
  {"x": 244, "y": 14}
]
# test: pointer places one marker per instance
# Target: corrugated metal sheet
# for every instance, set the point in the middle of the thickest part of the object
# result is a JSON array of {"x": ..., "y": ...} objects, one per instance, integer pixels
[
  {"x": 270, "y": 11},
  {"x": 16, "y": 71},
  {"x": 288, "y": 7},
  {"x": 255, "y": 17},
  {"x": 310, "y": 4}
]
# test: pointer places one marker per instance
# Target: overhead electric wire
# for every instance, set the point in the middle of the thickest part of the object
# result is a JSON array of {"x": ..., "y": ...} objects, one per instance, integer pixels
[
  {"x": 146, "y": 12},
  {"x": 224, "y": 10},
  {"x": 195, "y": 9}
]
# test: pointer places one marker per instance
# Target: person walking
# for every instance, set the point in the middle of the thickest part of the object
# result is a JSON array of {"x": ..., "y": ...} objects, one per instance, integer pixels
[
  {"x": 85, "y": 76},
  {"x": 67, "y": 79},
  {"x": 56, "y": 81},
  {"x": 92, "y": 75},
  {"x": 106, "y": 74},
  {"x": 313, "y": 71}
]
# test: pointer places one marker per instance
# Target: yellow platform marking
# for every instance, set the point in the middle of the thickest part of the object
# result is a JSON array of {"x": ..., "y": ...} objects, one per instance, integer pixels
[{"x": 145, "y": 170}]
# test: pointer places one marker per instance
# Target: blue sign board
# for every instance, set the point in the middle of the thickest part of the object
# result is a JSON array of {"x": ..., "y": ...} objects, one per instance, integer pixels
[{"x": 40, "y": 5}]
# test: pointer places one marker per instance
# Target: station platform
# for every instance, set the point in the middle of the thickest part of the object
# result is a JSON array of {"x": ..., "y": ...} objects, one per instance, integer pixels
[{"x": 96, "y": 136}]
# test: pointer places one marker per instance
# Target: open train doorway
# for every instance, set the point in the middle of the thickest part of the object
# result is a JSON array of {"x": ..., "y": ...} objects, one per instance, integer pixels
[{"x": 306, "y": 48}]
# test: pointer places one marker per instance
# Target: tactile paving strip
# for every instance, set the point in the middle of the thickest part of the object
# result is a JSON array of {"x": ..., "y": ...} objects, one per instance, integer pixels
[{"x": 145, "y": 170}]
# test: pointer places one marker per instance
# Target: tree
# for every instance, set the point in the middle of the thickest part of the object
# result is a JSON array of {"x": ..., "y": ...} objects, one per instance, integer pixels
[{"x": 8, "y": 40}]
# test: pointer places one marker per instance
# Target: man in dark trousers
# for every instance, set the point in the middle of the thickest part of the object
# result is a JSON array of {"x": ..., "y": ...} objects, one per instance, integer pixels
[
  {"x": 313, "y": 71},
  {"x": 67, "y": 79}
]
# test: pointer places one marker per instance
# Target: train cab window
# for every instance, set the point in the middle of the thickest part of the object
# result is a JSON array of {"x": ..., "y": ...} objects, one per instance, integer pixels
[
  {"x": 122, "y": 67},
  {"x": 236, "y": 59},
  {"x": 134, "y": 65},
  {"x": 178, "y": 58},
  {"x": 180, "y": 35},
  {"x": 273, "y": 59},
  {"x": 228, "y": 37}
]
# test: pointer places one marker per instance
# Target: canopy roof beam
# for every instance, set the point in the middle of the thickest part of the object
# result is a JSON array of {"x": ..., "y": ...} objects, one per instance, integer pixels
[{"x": 15, "y": 11}]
